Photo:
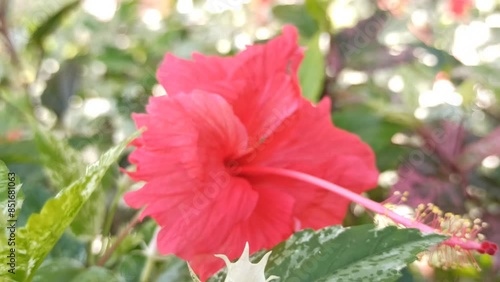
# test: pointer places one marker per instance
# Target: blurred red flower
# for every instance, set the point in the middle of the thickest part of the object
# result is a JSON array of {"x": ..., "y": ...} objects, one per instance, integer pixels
[
  {"x": 460, "y": 8},
  {"x": 223, "y": 114},
  {"x": 13, "y": 135}
]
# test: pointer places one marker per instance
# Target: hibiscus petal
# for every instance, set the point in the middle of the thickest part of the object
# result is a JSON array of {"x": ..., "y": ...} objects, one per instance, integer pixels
[
  {"x": 272, "y": 92},
  {"x": 313, "y": 207},
  {"x": 185, "y": 213},
  {"x": 218, "y": 126},
  {"x": 270, "y": 223},
  {"x": 213, "y": 211},
  {"x": 203, "y": 73},
  {"x": 309, "y": 143},
  {"x": 192, "y": 132},
  {"x": 189, "y": 191},
  {"x": 280, "y": 55},
  {"x": 264, "y": 112},
  {"x": 249, "y": 71}
]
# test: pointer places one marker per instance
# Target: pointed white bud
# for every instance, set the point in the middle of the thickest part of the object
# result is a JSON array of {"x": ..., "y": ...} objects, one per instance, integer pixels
[{"x": 245, "y": 271}]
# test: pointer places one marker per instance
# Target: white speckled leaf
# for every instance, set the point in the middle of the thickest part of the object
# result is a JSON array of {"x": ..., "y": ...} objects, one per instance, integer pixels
[
  {"x": 4, "y": 196},
  {"x": 5, "y": 216},
  {"x": 192, "y": 274},
  {"x": 360, "y": 253},
  {"x": 35, "y": 240}
]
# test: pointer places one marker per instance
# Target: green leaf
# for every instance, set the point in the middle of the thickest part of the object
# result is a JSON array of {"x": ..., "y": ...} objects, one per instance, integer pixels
[
  {"x": 34, "y": 188},
  {"x": 116, "y": 60},
  {"x": 318, "y": 9},
  {"x": 298, "y": 16},
  {"x": 177, "y": 270},
  {"x": 43, "y": 230},
  {"x": 11, "y": 200},
  {"x": 64, "y": 165},
  {"x": 94, "y": 274},
  {"x": 312, "y": 71},
  {"x": 361, "y": 253},
  {"x": 131, "y": 266},
  {"x": 11, "y": 195},
  {"x": 406, "y": 276},
  {"x": 52, "y": 23},
  {"x": 69, "y": 247},
  {"x": 58, "y": 270},
  {"x": 19, "y": 152},
  {"x": 61, "y": 162}
]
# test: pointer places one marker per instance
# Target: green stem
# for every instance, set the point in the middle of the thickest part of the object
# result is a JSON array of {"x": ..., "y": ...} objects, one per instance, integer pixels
[
  {"x": 90, "y": 255},
  {"x": 112, "y": 209},
  {"x": 119, "y": 239},
  {"x": 150, "y": 260}
]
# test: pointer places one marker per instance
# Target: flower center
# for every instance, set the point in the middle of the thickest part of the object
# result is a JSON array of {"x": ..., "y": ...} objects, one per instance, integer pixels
[{"x": 232, "y": 166}]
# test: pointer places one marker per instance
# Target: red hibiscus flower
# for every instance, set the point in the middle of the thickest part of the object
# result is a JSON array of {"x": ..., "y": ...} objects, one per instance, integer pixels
[{"x": 220, "y": 116}]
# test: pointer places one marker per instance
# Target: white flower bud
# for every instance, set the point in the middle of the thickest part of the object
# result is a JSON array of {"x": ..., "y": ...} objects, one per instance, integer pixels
[{"x": 245, "y": 271}]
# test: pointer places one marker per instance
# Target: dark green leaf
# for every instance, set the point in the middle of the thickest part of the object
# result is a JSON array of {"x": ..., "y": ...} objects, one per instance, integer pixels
[
  {"x": 94, "y": 274},
  {"x": 59, "y": 270},
  {"x": 69, "y": 246},
  {"x": 130, "y": 267},
  {"x": 34, "y": 187}
]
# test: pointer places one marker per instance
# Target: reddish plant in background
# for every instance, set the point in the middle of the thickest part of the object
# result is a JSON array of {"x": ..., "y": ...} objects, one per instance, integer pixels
[
  {"x": 446, "y": 170},
  {"x": 223, "y": 114}
]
